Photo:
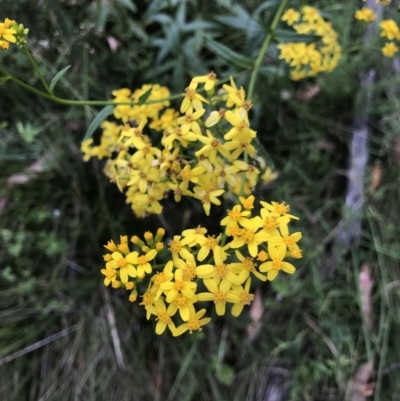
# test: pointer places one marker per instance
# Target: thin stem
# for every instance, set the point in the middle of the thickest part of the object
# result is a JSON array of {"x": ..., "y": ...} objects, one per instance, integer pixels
[
  {"x": 264, "y": 48},
  {"x": 36, "y": 68},
  {"x": 90, "y": 102},
  {"x": 241, "y": 193}
]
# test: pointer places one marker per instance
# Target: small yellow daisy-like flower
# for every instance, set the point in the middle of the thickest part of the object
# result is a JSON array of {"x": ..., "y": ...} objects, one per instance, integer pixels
[
  {"x": 276, "y": 264},
  {"x": 110, "y": 275},
  {"x": 208, "y": 80},
  {"x": 142, "y": 261},
  {"x": 291, "y": 16},
  {"x": 244, "y": 296},
  {"x": 6, "y": 33},
  {"x": 194, "y": 323},
  {"x": 365, "y": 14},
  {"x": 163, "y": 315},
  {"x": 390, "y": 29},
  {"x": 389, "y": 49},
  {"x": 220, "y": 293},
  {"x": 248, "y": 203}
]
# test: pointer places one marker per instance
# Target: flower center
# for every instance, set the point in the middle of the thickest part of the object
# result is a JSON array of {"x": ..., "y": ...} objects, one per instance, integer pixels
[
  {"x": 122, "y": 262},
  {"x": 180, "y": 300},
  {"x": 164, "y": 317},
  {"x": 248, "y": 236},
  {"x": 219, "y": 297},
  {"x": 221, "y": 270},
  {"x": 277, "y": 264},
  {"x": 142, "y": 260},
  {"x": 246, "y": 298},
  {"x": 248, "y": 264},
  {"x": 211, "y": 243},
  {"x": 193, "y": 325},
  {"x": 189, "y": 273},
  {"x": 289, "y": 241},
  {"x": 179, "y": 284},
  {"x": 175, "y": 246}
]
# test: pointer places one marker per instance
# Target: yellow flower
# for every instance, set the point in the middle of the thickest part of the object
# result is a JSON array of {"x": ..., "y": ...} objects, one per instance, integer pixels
[
  {"x": 276, "y": 264},
  {"x": 208, "y": 80},
  {"x": 142, "y": 261},
  {"x": 389, "y": 49},
  {"x": 110, "y": 274},
  {"x": 235, "y": 216},
  {"x": 245, "y": 298},
  {"x": 177, "y": 248},
  {"x": 240, "y": 125},
  {"x": 192, "y": 100},
  {"x": 208, "y": 244},
  {"x": 248, "y": 203},
  {"x": 192, "y": 235},
  {"x": 220, "y": 271},
  {"x": 124, "y": 265},
  {"x": 365, "y": 14},
  {"x": 212, "y": 146},
  {"x": 194, "y": 323},
  {"x": 390, "y": 29},
  {"x": 246, "y": 267},
  {"x": 160, "y": 278},
  {"x": 163, "y": 316},
  {"x": 220, "y": 293},
  {"x": 250, "y": 237},
  {"x": 291, "y": 16},
  {"x": 188, "y": 121},
  {"x": 6, "y": 33},
  {"x": 179, "y": 286},
  {"x": 285, "y": 239},
  {"x": 278, "y": 209},
  {"x": 215, "y": 117},
  {"x": 207, "y": 197}
]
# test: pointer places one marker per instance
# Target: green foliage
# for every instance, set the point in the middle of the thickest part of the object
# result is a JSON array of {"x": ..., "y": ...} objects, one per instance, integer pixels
[{"x": 53, "y": 220}]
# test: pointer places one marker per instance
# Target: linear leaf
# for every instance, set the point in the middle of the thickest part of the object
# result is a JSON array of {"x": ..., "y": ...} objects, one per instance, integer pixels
[
  {"x": 229, "y": 55},
  {"x": 57, "y": 77},
  {"x": 285, "y": 36},
  {"x": 103, "y": 114},
  {"x": 4, "y": 79},
  {"x": 143, "y": 98}
]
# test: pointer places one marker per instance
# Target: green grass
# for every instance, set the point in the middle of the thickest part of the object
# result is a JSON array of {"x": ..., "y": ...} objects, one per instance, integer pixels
[{"x": 64, "y": 337}]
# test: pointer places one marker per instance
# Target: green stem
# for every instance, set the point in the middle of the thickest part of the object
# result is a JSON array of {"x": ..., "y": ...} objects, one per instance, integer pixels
[
  {"x": 36, "y": 68},
  {"x": 264, "y": 48},
  {"x": 89, "y": 102},
  {"x": 243, "y": 182}
]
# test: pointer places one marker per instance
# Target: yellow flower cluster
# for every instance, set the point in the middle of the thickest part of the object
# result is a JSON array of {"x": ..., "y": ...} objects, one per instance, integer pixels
[
  {"x": 308, "y": 60},
  {"x": 192, "y": 153},
  {"x": 389, "y": 28},
  {"x": 365, "y": 14},
  {"x": 198, "y": 267},
  {"x": 11, "y": 32}
]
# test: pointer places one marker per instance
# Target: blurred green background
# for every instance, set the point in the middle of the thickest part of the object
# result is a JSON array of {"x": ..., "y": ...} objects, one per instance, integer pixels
[{"x": 63, "y": 336}]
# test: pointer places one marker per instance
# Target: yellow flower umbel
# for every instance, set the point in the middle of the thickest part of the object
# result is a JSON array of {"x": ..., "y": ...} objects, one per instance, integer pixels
[
  {"x": 256, "y": 245},
  {"x": 308, "y": 60}
]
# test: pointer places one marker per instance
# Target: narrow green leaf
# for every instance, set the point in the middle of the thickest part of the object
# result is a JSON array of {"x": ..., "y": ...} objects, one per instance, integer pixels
[
  {"x": 143, "y": 98},
  {"x": 57, "y": 77},
  {"x": 229, "y": 55},
  {"x": 4, "y": 79},
  {"x": 287, "y": 36},
  {"x": 103, "y": 114}
]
